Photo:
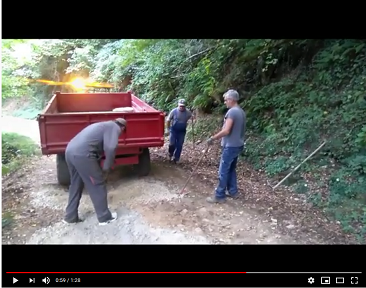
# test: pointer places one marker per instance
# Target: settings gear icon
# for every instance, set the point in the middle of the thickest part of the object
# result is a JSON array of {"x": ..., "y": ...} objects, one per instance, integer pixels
[{"x": 311, "y": 280}]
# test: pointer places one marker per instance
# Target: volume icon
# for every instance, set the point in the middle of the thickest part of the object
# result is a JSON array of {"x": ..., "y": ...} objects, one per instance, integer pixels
[{"x": 46, "y": 280}]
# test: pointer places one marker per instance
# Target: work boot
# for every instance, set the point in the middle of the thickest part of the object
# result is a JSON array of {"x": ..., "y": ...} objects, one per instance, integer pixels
[
  {"x": 113, "y": 218},
  {"x": 74, "y": 221},
  {"x": 214, "y": 199},
  {"x": 235, "y": 196}
]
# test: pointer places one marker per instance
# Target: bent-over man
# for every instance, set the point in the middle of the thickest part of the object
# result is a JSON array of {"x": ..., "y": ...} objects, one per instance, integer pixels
[
  {"x": 177, "y": 125},
  {"x": 232, "y": 135},
  {"x": 83, "y": 155}
]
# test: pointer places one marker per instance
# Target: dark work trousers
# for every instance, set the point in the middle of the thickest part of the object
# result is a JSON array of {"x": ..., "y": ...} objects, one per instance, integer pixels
[
  {"x": 86, "y": 171},
  {"x": 176, "y": 140}
]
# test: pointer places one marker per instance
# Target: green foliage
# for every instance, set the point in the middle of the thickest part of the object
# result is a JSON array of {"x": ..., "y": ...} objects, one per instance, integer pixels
[
  {"x": 55, "y": 60},
  {"x": 13, "y": 84},
  {"x": 7, "y": 219},
  {"x": 203, "y": 128},
  {"x": 361, "y": 137},
  {"x": 30, "y": 113},
  {"x": 301, "y": 187},
  {"x": 326, "y": 102},
  {"x": 15, "y": 149}
]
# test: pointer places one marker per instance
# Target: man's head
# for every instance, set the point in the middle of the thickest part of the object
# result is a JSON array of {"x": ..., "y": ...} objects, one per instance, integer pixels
[
  {"x": 122, "y": 123},
  {"x": 231, "y": 98},
  {"x": 182, "y": 104}
]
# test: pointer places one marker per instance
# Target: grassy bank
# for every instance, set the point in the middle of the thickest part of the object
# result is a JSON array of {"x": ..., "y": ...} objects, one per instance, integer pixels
[{"x": 16, "y": 150}]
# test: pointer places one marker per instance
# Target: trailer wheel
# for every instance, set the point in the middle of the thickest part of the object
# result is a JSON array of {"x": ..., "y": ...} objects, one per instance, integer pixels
[
  {"x": 63, "y": 175},
  {"x": 143, "y": 167}
]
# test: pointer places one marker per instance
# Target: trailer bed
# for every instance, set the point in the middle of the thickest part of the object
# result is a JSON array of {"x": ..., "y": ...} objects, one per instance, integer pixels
[
  {"x": 94, "y": 103},
  {"x": 96, "y": 112},
  {"x": 68, "y": 113}
]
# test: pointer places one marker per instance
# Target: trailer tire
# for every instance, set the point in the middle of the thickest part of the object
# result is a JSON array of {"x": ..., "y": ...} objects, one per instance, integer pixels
[
  {"x": 63, "y": 175},
  {"x": 144, "y": 165}
]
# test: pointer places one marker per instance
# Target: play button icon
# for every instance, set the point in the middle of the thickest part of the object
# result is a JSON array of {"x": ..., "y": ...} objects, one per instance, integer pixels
[{"x": 15, "y": 280}]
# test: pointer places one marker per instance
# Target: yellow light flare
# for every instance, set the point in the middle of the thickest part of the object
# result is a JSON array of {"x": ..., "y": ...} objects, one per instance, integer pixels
[
  {"x": 78, "y": 84},
  {"x": 99, "y": 85},
  {"x": 49, "y": 82}
]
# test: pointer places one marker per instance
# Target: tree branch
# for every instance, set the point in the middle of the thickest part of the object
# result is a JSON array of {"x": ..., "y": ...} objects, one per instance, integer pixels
[{"x": 195, "y": 55}]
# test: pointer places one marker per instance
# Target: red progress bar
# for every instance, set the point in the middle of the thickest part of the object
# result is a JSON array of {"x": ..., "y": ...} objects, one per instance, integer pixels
[{"x": 125, "y": 272}]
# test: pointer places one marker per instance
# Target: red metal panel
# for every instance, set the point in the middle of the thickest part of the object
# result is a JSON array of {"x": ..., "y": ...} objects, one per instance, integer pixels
[
  {"x": 126, "y": 161},
  {"x": 144, "y": 129},
  {"x": 92, "y": 102}
]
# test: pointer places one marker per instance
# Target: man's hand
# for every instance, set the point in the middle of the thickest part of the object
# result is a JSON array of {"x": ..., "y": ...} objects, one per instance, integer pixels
[
  {"x": 209, "y": 141},
  {"x": 105, "y": 175}
]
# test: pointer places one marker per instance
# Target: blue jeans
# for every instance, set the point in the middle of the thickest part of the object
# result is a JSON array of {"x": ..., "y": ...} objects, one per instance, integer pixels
[
  {"x": 176, "y": 141},
  {"x": 227, "y": 171}
]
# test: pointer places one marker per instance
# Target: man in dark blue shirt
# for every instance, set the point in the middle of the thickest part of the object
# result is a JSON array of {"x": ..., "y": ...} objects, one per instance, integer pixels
[{"x": 177, "y": 125}]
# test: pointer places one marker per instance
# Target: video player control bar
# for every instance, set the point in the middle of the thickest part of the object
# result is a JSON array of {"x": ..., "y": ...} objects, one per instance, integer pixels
[{"x": 169, "y": 279}]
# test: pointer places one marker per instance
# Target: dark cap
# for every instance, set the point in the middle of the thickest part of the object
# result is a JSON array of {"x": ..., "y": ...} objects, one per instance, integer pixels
[{"x": 182, "y": 102}]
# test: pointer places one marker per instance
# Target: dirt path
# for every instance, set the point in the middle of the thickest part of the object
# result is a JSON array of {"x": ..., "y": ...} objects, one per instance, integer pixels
[{"x": 150, "y": 209}]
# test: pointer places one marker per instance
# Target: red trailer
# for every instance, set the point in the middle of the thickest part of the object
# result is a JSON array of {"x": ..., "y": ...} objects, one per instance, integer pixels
[{"x": 67, "y": 114}]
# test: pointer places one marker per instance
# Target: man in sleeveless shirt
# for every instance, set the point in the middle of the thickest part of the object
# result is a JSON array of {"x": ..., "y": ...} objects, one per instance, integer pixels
[
  {"x": 177, "y": 127},
  {"x": 232, "y": 142}
]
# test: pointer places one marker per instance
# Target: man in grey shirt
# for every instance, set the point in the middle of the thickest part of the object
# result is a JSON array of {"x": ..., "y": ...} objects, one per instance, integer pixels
[
  {"x": 177, "y": 125},
  {"x": 232, "y": 135},
  {"x": 83, "y": 155}
]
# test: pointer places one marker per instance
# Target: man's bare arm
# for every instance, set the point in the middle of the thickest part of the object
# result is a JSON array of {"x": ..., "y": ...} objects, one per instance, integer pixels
[
  {"x": 169, "y": 120},
  {"x": 225, "y": 131},
  {"x": 110, "y": 142}
]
